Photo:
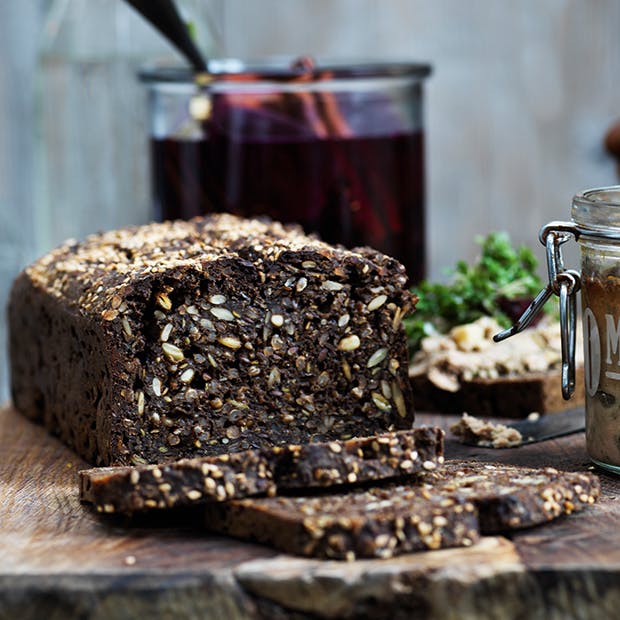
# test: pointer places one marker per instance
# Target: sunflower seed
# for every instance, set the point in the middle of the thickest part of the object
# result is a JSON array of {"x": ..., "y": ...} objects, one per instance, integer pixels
[
  {"x": 224, "y": 314},
  {"x": 380, "y": 402},
  {"x": 349, "y": 343},
  {"x": 377, "y": 357},
  {"x": 187, "y": 375},
  {"x": 230, "y": 342},
  {"x": 376, "y": 302},
  {"x": 330, "y": 285},
  {"x": 165, "y": 332},
  {"x": 172, "y": 352},
  {"x": 140, "y": 402},
  {"x": 164, "y": 301},
  {"x": 277, "y": 320},
  {"x": 399, "y": 400}
]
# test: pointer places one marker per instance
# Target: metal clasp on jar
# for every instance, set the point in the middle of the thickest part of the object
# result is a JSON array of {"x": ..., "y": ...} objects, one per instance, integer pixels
[{"x": 565, "y": 283}]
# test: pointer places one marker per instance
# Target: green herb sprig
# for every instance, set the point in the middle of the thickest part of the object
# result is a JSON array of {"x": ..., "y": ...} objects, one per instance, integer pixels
[{"x": 501, "y": 272}]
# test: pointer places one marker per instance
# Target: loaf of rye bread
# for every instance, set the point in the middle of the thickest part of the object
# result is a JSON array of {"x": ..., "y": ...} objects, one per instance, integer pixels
[
  {"x": 217, "y": 335},
  {"x": 510, "y": 396},
  {"x": 448, "y": 506},
  {"x": 140, "y": 488}
]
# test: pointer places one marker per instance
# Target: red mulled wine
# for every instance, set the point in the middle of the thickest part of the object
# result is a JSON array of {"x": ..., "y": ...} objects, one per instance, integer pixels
[
  {"x": 354, "y": 191},
  {"x": 339, "y": 150}
]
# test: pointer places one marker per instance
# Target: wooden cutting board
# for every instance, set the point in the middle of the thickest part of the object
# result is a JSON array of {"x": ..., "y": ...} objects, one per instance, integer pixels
[{"x": 59, "y": 560}]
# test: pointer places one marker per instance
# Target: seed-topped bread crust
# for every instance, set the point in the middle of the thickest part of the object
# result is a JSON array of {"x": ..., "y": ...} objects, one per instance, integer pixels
[{"x": 221, "y": 334}]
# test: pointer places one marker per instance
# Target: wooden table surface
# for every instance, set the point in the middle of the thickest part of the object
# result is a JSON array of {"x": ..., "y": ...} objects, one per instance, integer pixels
[{"x": 60, "y": 560}]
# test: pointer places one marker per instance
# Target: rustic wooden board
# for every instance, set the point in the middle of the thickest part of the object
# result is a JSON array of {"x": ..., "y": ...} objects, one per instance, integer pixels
[{"x": 59, "y": 560}]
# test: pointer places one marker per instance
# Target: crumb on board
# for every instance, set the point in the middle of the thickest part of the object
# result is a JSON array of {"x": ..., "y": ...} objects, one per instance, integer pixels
[{"x": 470, "y": 429}]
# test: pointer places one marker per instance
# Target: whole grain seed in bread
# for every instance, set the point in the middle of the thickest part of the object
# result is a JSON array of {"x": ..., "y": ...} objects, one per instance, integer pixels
[
  {"x": 216, "y": 335},
  {"x": 254, "y": 472},
  {"x": 369, "y": 523}
]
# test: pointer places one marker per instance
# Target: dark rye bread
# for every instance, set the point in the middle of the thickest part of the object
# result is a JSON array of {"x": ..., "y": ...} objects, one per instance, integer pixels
[
  {"x": 509, "y": 497},
  {"x": 447, "y": 506},
  {"x": 512, "y": 396},
  {"x": 370, "y": 523},
  {"x": 254, "y": 472},
  {"x": 362, "y": 459},
  {"x": 217, "y": 335},
  {"x": 127, "y": 489}
]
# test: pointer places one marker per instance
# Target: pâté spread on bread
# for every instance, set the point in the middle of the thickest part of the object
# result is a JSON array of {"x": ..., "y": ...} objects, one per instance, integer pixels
[{"x": 455, "y": 364}]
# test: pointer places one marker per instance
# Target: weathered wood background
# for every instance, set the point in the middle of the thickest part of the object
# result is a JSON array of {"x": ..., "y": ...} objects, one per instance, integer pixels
[{"x": 519, "y": 101}]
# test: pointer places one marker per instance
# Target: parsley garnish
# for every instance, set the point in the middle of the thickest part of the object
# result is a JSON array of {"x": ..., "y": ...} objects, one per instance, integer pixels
[{"x": 501, "y": 272}]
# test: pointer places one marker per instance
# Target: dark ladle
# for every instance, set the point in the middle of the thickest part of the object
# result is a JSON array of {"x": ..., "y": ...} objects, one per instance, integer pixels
[{"x": 164, "y": 16}]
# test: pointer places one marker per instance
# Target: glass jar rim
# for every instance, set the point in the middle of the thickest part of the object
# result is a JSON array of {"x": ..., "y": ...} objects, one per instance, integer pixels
[
  {"x": 608, "y": 195},
  {"x": 597, "y": 210},
  {"x": 283, "y": 70}
]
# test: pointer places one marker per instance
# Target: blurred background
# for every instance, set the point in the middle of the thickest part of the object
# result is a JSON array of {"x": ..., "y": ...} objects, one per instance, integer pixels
[{"x": 516, "y": 109}]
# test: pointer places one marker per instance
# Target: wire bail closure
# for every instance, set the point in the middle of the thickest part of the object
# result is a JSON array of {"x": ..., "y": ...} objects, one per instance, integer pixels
[{"x": 565, "y": 283}]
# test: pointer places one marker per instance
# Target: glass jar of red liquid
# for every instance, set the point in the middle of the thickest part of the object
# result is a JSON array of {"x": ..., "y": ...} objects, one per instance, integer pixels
[{"x": 337, "y": 149}]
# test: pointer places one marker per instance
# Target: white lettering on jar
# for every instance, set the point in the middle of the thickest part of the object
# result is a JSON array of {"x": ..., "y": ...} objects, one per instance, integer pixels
[
  {"x": 612, "y": 342},
  {"x": 613, "y": 338},
  {"x": 592, "y": 351}
]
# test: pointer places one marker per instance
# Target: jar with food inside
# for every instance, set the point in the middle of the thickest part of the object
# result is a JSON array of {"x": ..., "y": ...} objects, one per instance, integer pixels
[{"x": 596, "y": 214}]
